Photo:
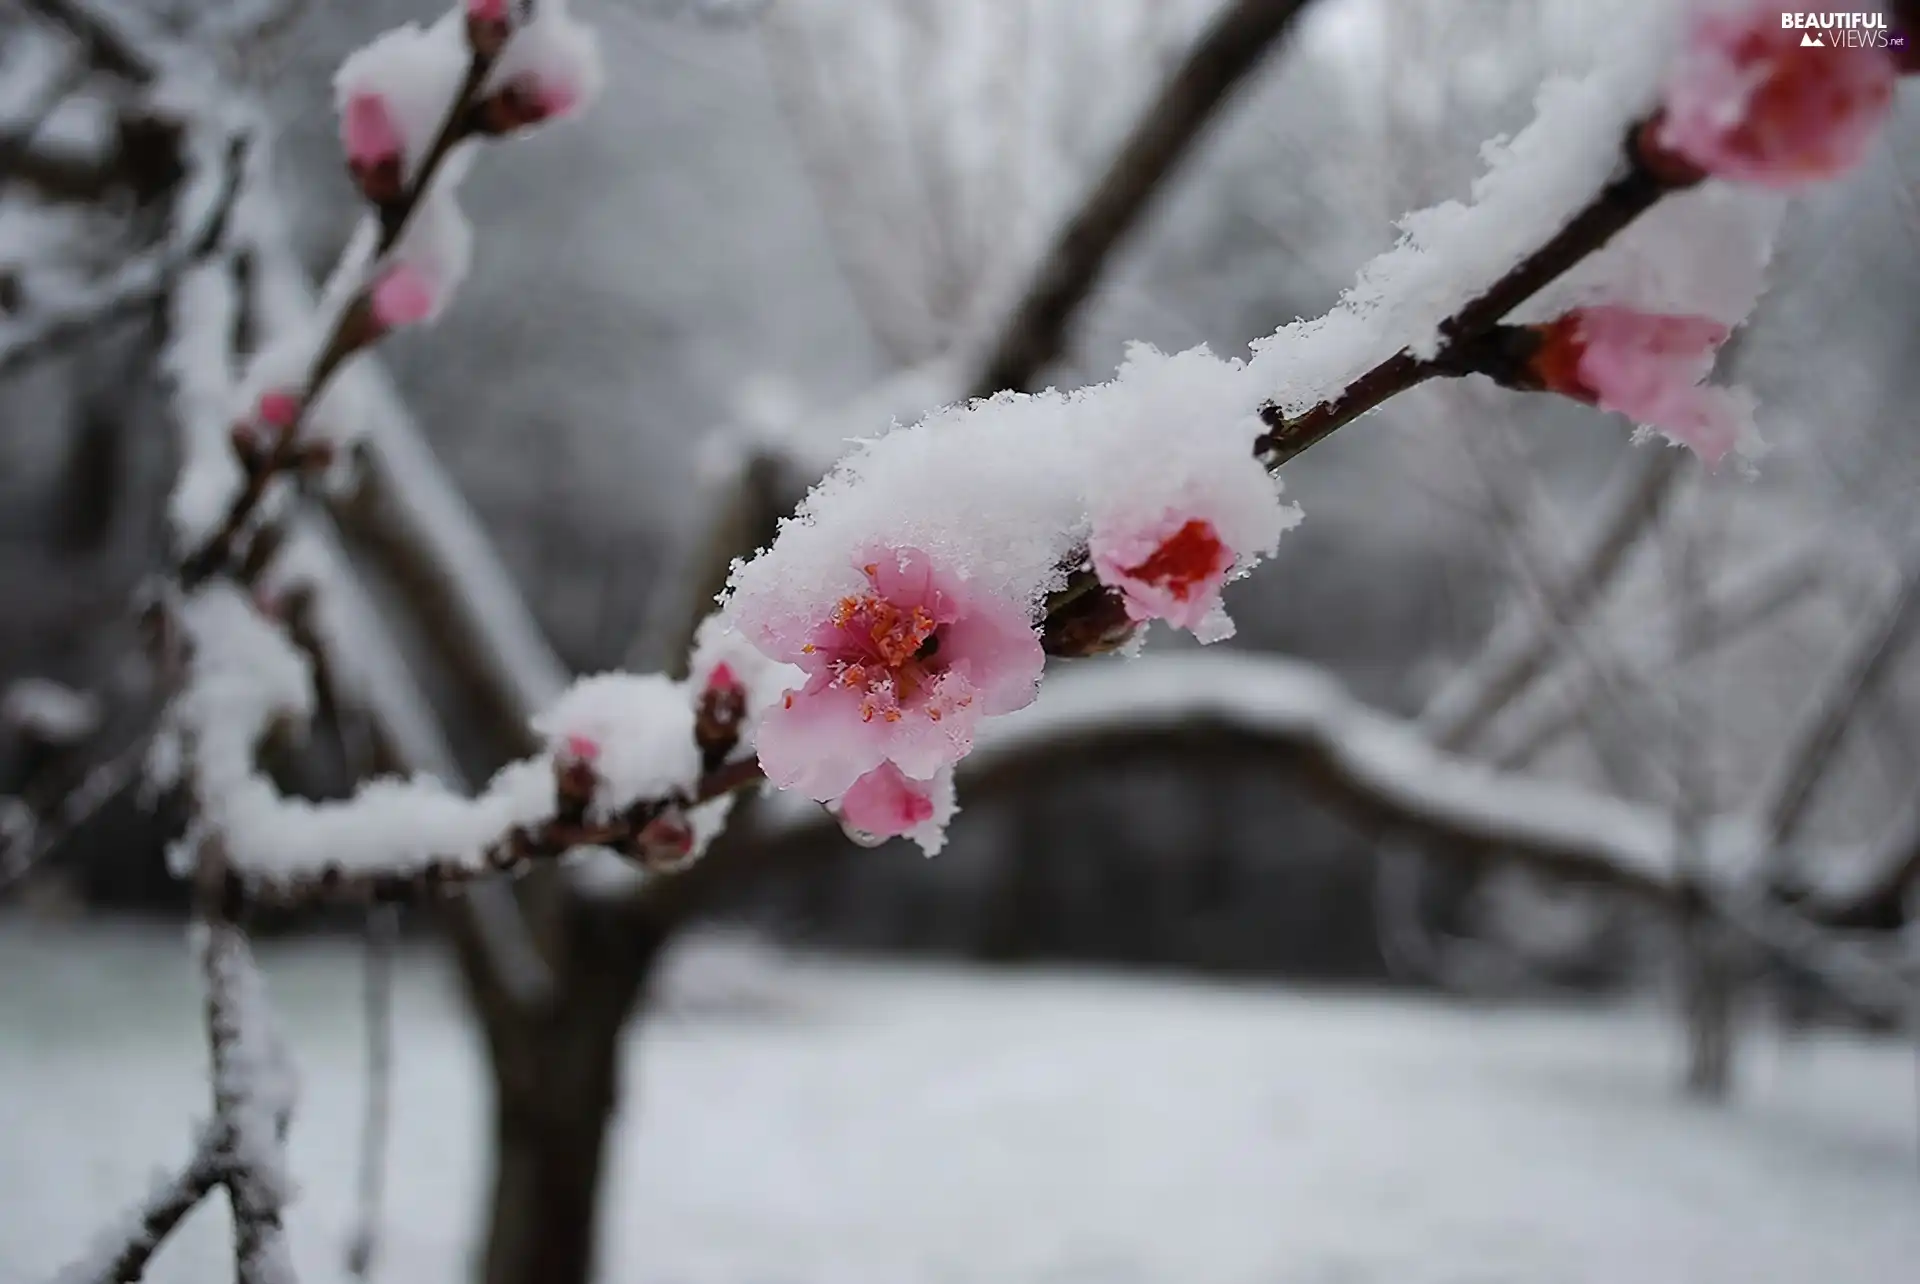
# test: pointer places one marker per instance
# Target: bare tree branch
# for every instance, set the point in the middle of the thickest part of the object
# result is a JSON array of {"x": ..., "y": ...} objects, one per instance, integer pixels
[
  {"x": 1813, "y": 752},
  {"x": 1520, "y": 651},
  {"x": 1219, "y": 61}
]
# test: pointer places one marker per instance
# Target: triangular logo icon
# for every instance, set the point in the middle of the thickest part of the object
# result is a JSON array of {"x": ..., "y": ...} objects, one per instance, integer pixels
[{"x": 1809, "y": 40}]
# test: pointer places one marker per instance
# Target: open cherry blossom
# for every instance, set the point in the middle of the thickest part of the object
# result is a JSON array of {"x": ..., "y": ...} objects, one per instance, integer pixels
[
  {"x": 1749, "y": 102},
  {"x": 899, "y": 673}
]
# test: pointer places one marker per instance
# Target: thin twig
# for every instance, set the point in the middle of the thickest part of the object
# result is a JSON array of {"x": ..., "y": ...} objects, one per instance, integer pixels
[
  {"x": 49, "y": 835},
  {"x": 383, "y": 927},
  {"x": 1813, "y": 752},
  {"x": 348, "y": 335}
]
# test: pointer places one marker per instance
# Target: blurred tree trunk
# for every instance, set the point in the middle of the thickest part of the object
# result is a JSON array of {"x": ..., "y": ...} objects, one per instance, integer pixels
[
  {"x": 1709, "y": 998},
  {"x": 557, "y": 1080}
]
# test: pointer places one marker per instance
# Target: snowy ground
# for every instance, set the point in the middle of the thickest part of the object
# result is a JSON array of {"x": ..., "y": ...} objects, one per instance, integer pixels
[{"x": 805, "y": 1122}]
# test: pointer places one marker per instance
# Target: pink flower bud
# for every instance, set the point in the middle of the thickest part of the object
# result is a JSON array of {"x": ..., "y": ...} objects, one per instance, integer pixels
[
  {"x": 403, "y": 296},
  {"x": 723, "y": 678},
  {"x": 278, "y": 409},
  {"x": 581, "y": 748},
  {"x": 487, "y": 10},
  {"x": 1171, "y": 569},
  {"x": 368, "y": 133},
  {"x": 1648, "y": 367},
  {"x": 1749, "y": 101}
]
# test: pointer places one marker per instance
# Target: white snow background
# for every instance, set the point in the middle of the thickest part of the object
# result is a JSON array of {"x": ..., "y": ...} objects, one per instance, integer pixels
[{"x": 806, "y": 1121}]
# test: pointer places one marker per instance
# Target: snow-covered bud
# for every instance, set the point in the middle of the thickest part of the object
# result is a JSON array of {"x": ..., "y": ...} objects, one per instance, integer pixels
[
  {"x": 719, "y": 715},
  {"x": 1648, "y": 367},
  {"x": 1169, "y": 568},
  {"x": 373, "y": 146},
  {"x": 391, "y": 97},
  {"x": 489, "y": 24},
  {"x": 574, "y": 778},
  {"x": 1750, "y": 102},
  {"x": 416, "y": 282},
  {"x": 666, "y": 842},
  {"x": 549, "y": 70},
  {"x": 278, "y": 408},
  {"x": 523, "y": 103},
  {"x": 885, "y": 803},
  {"x": 1170, "y": 528},
  {"x": 402, "y": 296}
]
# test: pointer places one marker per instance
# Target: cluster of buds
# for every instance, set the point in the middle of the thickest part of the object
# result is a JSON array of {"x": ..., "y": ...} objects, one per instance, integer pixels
[
  {"x": 504, "y": 71},
  {"x": 655, "y": 834}
]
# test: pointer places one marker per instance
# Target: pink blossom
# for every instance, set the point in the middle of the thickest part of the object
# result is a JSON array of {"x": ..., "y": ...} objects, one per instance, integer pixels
[
  {"x": 884, "y": 804},
  {"x": 368, "y": 133},
  {"x": 1648, "y": 367},
  {"x": 899, "y": 673},
  {"x": 581, "y": 748},
  {"x": 403, "y": 296},
  {"x": 1748, "y": 102},
  {"x": 1171, "y": 569},
  {"x": 487, "y": 10},
  {"x": 722, "y": 678},
  {"x": 278, "y": 408}
]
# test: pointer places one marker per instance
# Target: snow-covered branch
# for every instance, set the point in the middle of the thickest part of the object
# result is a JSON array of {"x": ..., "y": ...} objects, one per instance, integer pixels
[
  {"x": 142, "y": 282},
  {"x": 1219, "y": 60},
  {"x": 900, "y": 622},
  {"x": 124, "y": 1249},
  {"x": 253, "y": 1096}
]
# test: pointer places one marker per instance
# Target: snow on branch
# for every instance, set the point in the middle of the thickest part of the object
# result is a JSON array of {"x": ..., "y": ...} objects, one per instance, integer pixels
[
  {"x": 145, "y": 280},
  {"x": 914, "y": 598},
  {"x": 919, "y": 588},
  {"x": 124, "y": 1249}
]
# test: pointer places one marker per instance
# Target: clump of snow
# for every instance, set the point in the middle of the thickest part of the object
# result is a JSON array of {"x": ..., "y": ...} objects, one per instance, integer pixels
[
  {"x": 243, "y": 678},
  {"x": 50, "y": 712},
  {"x": 1212, "y": 478},
  {"x": 641, "y": 730},
  {"x": 1701, "y": 252},
  {"x": 197, "y": 363}
]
